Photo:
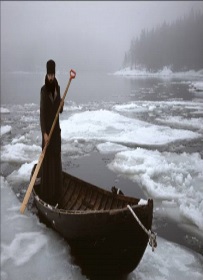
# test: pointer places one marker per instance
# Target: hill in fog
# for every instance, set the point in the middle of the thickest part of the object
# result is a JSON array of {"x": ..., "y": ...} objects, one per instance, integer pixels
[{"x": 178, "y": 45}]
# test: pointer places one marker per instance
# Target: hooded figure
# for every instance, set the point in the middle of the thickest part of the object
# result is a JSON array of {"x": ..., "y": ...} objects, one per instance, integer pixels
[
  {"x": 51, "y": 170},
  {"x": 51, "y": 65}
]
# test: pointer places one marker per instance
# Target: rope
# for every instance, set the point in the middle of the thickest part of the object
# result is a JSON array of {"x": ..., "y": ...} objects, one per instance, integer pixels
[{"x": 151, "y": 234}]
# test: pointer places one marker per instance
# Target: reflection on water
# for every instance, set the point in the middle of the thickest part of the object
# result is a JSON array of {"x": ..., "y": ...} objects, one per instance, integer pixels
[{"x": 21, "y": 88}]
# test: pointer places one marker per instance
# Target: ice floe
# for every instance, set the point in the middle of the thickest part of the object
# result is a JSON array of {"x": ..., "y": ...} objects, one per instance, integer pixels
[
  {"x": 166, "y": 176},
  {"x": 104, "y": 125}
]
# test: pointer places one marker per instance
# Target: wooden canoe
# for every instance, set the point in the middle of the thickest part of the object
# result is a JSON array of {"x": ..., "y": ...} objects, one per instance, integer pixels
[{"x": 100, "y": 229}]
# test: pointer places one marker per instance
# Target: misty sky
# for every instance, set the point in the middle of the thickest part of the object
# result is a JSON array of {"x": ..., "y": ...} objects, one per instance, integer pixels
[{"x": 84, "y": 35}]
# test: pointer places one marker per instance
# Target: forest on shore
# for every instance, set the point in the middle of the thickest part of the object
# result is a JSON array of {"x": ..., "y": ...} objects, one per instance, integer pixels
[{"x": 178, "y": 45}]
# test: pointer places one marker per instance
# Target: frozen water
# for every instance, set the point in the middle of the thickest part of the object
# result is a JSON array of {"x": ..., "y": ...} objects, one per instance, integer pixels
[
  {"x": 166, "y": 72},
  {"x": 4, "y": 110},
  {"x": 169, "y": 262},
  {"x": 108, "y": 147},
  {"x": 166, "y": 176},
  {"x": 23, "y": 173},
  {"x": 20, "y": 152},
  {"x": 186, "y": 123},
  {"x": 156, "y": 143},
  {"x": 31, "y": 249},
  {"x": 34, "y": 251},
  {"x": 5, "y": 129},
  {"x": 95, "y": 125},
  {"x": 197, "y": 86}
]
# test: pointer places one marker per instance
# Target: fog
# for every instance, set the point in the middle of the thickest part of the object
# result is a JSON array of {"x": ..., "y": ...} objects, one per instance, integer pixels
[{"x": 84, "y": 35}]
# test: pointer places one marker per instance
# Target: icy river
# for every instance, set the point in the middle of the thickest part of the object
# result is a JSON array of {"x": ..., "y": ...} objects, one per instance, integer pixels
[{"x": 142, "y": 133}]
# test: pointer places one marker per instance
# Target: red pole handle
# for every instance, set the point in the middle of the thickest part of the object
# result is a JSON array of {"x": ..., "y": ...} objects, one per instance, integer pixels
[{"x": 72, "y": 74}]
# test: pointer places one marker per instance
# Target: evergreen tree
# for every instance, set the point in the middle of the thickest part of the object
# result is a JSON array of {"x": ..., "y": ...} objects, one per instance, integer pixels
[{"x": 178, "y": 45}]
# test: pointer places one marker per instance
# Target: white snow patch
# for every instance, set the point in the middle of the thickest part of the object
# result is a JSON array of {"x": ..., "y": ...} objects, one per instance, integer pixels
[
  {"x": 30, "y": 250},
  {"x": 165, "y": 72},
  {"x": 169, "y": 261},
  {"x": 166, "y": 176},
  {"x": 198, "y": 86},
  {"x": 5, "y": 129},
  {"x": 142, "y": 202},
  {"x": 4, "y": 110},
  {"x": 179, "y": 121},
  {"x": 23, "y": 173},
  {"x": 108, "y": 147},
  {"x": 20, "y": 152},
  {"x": 104, "y": 125}
]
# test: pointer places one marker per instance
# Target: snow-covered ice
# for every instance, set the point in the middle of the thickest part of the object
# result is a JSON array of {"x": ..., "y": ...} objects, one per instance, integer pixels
[
  {"x": 23, "y": 173},
  {"x": 4, "y": 110},
  {"x": 166, "y": 72},
  {"x": 104, "y": 125},
  {"x": 166, "y": 176},
  {"x": 30, "y": 248},
  {"x": 5, "y": 129},
  {"x": 108, "y": 147},
  {"x": 197, "y": 86},
  {"x": 37, "y": 252},
  {"x": 139, "y": 136},
  {"x": 19, "y": 152},
  {"x": 181, "y": 122}
]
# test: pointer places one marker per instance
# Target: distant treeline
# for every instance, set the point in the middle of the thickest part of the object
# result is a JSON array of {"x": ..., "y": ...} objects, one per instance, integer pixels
[{"x": 178, "y": 45}]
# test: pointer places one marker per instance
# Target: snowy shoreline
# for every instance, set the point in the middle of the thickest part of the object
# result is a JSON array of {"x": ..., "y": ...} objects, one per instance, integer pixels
[{"x": 166, "y": 71}]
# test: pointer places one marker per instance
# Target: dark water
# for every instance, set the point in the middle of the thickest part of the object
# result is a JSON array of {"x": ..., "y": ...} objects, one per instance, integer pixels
[{"x": 21, "y": 88}]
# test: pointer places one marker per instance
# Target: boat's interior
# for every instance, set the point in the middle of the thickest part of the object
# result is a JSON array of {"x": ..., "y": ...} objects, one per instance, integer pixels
[{"x": 80, "y": 195}]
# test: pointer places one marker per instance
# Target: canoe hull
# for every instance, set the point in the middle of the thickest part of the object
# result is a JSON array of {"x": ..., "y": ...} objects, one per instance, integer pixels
[{"x": 108, "y": 242}]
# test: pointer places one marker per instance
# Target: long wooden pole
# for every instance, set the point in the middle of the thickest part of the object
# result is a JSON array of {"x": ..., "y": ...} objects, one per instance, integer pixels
[{"x": 32, "y": 182}]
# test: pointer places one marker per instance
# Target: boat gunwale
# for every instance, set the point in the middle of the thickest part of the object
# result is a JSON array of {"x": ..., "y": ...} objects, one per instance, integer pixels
[
  {"x": 132, "y": 201},
  {"x": 87, "y": 212}
]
